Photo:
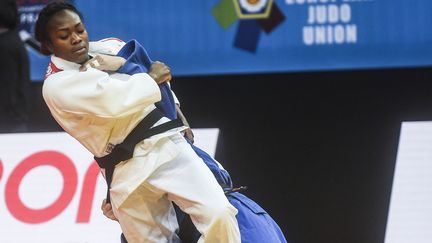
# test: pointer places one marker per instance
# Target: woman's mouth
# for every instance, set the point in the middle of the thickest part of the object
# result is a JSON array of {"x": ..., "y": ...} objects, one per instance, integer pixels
[{"x": 80, "y": 51}]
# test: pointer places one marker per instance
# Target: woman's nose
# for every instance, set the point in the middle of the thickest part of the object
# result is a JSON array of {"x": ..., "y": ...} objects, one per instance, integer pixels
[{"x": 76, "y": 38}]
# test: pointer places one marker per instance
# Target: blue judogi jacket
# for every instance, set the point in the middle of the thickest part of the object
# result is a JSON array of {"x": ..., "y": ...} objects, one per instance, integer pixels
[
  {"x": 255, "y": 223},
  {"x": 138, "y": 61}
]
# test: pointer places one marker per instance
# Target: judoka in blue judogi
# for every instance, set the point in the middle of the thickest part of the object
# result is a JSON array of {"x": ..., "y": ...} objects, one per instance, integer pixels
[{"x": 255, "y": 224}]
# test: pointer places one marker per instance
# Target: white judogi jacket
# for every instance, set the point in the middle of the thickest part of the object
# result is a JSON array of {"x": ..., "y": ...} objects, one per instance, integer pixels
[{"x": 99, "y": 109}]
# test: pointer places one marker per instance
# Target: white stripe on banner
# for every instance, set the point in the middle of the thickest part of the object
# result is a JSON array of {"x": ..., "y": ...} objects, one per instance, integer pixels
[{"x": 410, "y": 214}]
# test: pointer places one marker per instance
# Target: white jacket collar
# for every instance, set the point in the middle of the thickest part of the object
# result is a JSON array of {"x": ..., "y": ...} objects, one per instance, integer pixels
[
  {"x": 63, "y": 64},
  {"x": 110, "y": 46}
]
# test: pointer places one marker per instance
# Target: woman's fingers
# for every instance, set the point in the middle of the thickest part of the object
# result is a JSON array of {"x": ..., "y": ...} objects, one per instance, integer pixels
[
  {"x": 107, "y": 210},
  {"x": 92, "y": 63},
  {"x": 104, "y": 63}
]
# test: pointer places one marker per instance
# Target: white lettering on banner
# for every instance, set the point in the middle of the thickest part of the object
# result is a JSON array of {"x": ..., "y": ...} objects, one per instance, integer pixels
[
  {"x": 322, "y": 14},
  {"x": 300, "y": 2},
  {"x": 329, "y": 22},
  {"x": 28, "y": 18},
  {"x": 52, "y": 190},
  {"x": 337, "y": 34}
]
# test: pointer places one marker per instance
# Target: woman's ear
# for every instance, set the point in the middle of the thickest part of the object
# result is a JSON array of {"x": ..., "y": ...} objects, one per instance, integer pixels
[
  {"x": 49, "y": 47},
  {"x": 46, "y": 48}
]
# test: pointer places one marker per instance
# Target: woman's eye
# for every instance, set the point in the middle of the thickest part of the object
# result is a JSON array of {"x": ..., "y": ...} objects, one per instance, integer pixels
[{"x": 63, "y": 37}]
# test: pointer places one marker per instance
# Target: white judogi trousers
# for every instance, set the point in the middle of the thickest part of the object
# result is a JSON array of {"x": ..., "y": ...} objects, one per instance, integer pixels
[{"x": 147, "y": 214}]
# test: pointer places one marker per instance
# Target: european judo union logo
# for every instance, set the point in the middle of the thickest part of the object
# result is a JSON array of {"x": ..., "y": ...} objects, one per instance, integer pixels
[{"x": 254, "y": 16}]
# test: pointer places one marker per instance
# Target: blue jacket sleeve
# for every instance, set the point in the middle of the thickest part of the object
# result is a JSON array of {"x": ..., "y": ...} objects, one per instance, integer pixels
[{"x": 138, "y": 61}]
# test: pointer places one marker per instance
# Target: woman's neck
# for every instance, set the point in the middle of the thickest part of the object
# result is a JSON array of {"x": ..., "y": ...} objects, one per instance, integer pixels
[{"x": 88, "y": 58}]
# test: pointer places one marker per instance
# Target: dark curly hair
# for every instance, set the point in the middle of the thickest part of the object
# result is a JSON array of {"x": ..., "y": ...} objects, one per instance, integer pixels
[{"x": 45, "y": 15}]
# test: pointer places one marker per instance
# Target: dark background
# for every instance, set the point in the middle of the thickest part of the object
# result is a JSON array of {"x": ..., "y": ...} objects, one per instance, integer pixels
[{"x": 316, "y": 150}]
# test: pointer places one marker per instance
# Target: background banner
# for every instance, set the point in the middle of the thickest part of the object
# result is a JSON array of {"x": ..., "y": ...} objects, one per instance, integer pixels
[
  {"x": 410, "y": 214},
  {"x": 51, "y": 190},
  {"x": 238, "y": 36}
]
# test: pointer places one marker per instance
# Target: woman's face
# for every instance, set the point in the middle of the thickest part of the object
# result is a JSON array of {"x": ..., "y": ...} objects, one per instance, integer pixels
[{"x": 68, "y": 37}]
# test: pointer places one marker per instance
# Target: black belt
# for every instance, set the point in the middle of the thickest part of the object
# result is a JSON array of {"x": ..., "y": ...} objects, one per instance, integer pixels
[{"x": 124, "y": 151}]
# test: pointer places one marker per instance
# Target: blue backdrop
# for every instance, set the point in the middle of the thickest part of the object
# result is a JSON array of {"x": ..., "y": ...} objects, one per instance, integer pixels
[{"x": 197, "y": 37}]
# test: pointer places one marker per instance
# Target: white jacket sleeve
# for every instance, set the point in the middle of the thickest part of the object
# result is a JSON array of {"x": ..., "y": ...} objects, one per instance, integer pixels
[{"x": 94, "y": 92}]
